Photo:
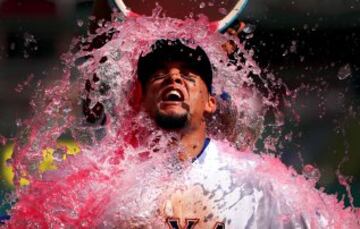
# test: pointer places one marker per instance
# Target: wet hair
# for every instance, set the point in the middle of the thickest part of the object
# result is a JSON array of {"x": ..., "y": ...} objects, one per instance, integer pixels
[{"x": 165, "y": 51}]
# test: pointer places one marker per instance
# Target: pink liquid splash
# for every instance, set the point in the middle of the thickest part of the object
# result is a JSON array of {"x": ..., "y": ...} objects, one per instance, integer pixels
[{"x": 126, "y": 164}]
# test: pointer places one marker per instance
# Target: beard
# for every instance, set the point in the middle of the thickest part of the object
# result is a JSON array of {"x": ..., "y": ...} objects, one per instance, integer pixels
[{"x": 172, "y": 122}]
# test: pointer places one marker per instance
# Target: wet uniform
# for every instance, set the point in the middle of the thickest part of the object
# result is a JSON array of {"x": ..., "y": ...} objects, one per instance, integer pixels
[
  {"x": 221, "y": 190},
  {"x": 245, "y": 192}
]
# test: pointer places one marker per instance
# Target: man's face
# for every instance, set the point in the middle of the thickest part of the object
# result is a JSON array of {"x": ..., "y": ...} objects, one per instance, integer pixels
[{"x": 176, "y": 97}]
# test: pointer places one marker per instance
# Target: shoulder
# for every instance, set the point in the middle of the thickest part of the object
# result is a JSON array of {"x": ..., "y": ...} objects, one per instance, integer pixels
[
  {"x": 278, "y": 188},
  {"x": 225, "y": 154}
]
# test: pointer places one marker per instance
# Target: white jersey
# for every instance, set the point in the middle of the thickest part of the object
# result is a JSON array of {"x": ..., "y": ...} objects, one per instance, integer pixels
[
  {"x": 236, "y": 192},
  {"x": 233, "y": 190}
]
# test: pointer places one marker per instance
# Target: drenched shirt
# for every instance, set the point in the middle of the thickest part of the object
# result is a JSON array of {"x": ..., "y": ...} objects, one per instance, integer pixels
[
  {"x": 245, "y": 190},
  {"x": 225, "y": 192}
]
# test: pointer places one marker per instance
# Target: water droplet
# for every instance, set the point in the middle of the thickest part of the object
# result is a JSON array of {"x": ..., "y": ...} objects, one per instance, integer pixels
[
  {"x": 116, "y": 55},
  {"x": 28, "y": 39},
  {"x": 202, "y": 5},
  {"x": 311, "y": 172},
  {"x": 223, "y": 11},
  {"x": 342, "y": 180},
  {"x": 100, "y": 23},
  {"x": 249, "y": 36},
  {"x": 18, "y": 122},
  {"x": 80, "y": 22},
  {"x": 67, "y": 110},
  {"x": 249, "y": 28},
  {"x": 344, "y": 72},
  {"x": 58, "y": 154},
  {"x": 19, "y": 88},
  {"x": 293, "y": 47}
]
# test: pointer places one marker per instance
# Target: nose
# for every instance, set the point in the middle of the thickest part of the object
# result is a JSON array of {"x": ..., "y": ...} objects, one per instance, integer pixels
[{"x": 175, "y": 76}]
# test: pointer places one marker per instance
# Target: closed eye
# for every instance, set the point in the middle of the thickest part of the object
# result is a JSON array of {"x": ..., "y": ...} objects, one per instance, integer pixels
[
  {"x": 186, "y": 75},
  {"x": 159, "y": 76},
  {"x": 189, "y": 76}
]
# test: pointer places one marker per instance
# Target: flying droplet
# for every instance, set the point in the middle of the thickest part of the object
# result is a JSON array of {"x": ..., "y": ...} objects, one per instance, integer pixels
[
  {"x": 249, "y": 28},
  {"x": 202, "y": 5},
  {"x": 80, "y": 22},
  {"x": 223, "y": 11},
  {"x": 344, "y": 72},
  {"x": 310, "y": 172},
  {"x": 293, "y": 47},
  {"x": 59, "y": 154},
  {"x": 18, "y": 122},
  {"x": 28, "y": 39}
]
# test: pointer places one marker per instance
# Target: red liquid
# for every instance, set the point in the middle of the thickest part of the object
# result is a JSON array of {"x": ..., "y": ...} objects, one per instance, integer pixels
[{"x": 183, "y": 8}]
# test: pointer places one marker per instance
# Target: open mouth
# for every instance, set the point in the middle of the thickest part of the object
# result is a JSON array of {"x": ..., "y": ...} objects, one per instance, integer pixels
[{"x": 172, "y": 95}]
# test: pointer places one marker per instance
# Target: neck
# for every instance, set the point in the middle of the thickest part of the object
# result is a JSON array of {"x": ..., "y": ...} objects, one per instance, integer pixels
[{"x": 192, "y": 141}]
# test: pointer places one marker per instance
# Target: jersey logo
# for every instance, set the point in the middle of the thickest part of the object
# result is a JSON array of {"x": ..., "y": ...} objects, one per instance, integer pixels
[
  {"x": 174, "y": 223},
  {"x": 219, "y": 225}
]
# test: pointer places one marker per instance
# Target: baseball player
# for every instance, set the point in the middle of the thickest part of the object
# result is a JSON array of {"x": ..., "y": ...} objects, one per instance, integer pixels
[{"x": 220, "y": 190}]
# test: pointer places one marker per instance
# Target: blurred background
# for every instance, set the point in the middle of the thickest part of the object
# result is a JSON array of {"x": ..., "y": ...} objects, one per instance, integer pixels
[{"x": 312, "y": 46}]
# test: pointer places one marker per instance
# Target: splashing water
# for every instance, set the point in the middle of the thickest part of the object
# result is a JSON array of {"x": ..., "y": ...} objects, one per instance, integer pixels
[
  {"x": 127, "y": 169},
  {"x": 344, "y": 72}
]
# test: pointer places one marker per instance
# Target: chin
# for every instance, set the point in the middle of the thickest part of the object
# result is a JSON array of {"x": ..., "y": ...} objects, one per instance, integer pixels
[
  {"x": 172, "y": 113},
  {"x": 172, "y": 120}
]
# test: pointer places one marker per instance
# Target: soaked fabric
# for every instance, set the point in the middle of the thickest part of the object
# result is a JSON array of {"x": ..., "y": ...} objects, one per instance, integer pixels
[{"x": 232, "y": 191}]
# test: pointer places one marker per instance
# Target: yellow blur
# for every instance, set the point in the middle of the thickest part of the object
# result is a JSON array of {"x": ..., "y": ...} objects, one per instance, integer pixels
[{"x": 47, "y": 163}]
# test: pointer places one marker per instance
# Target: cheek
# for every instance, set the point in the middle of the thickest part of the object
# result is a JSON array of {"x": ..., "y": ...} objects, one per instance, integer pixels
[
  {"x": 149, "y": 98},
  {"x": 198, "y": 95},
  {"x": 151, "y": 93},
  {"x": 199, "y": 99}
]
